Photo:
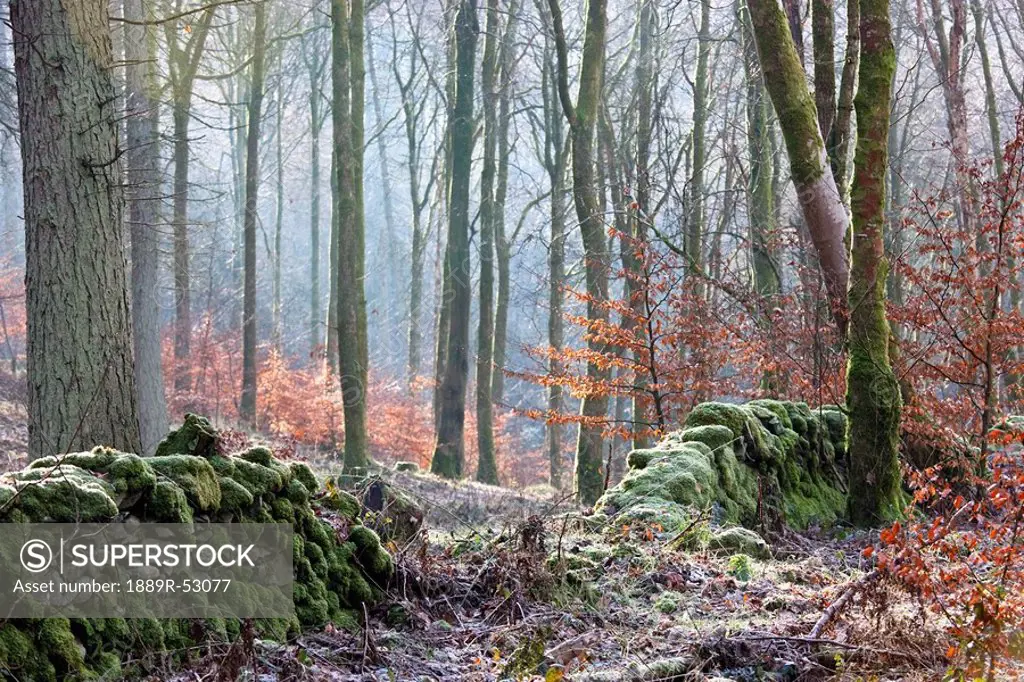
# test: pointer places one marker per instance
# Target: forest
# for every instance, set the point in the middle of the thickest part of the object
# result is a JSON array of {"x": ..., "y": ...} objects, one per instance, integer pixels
[{"x": 591, "y": 341}]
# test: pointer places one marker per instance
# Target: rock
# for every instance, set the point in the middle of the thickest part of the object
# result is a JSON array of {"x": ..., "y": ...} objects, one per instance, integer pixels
[
  {"x": 739, "y": 540},
  {"x": 407, "y": 467},
  {"x": 338, "y": 567},
  {"x": 783, "y": 456},
  {"x": 395, "y": 515}
]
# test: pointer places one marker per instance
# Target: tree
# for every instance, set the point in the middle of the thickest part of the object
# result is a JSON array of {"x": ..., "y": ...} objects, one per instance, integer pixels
[
  {"x": 819, "y": 197},
  {"x": 873, "y": 395},
  {"x": 487, "y": 467},
  {"x": 183, "y": 63},
  {"x": 247, "y": 406},
  {"x": 588, "y": 483},
  {"x": 143, "y": 182},
  {"x": 312, "y": 55},
  {"x": 449, "y": 450},
  {"x": 347, "y": 112},
  {"x": 81, "y": 385},
  {"x": 873, "y": 398}
]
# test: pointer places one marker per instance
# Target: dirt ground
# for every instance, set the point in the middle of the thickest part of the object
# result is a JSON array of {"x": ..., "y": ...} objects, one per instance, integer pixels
[{"x": 506, "y": 585}]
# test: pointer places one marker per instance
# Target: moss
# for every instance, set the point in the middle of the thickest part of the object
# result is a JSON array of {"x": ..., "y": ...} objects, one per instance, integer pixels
[
  {"x": 128, "y": 475},
  {"x": 369, "y": 551},
  {"x": 668, "y": 602},
  {"x": 65, "y": 495},
  {"x": 334, "y": 575},
  {"x": 257, "y": 479},
  {"x": 768, "y": 461},
  {"x": 715, "y": 436},
  {"x": 740, "y": 567},
  {"x": 196, "y": 436},
  {"x": 344, "y": 503},
  {"x": 194, "y": 475},
  {"x": 734, "y": 417},
  {"x": 233, "y": 495},
  {"x": 168, "y": 504},
  {"x": 739, "y": 540},
  {"x": 259, "y": 455},
  {"x": 302, "y": 473},
  {"x": 407, "y": 467}
]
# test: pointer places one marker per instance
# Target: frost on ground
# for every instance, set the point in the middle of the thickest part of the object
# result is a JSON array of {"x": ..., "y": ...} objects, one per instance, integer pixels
[{"x": 543, "y": 591}]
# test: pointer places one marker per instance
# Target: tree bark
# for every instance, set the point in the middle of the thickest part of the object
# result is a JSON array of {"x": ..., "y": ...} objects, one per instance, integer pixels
[
  {"x": 346, "y": 77},
  {"x": 449, "y": 451},
  {"x": 247, "y": 406},
  {"x": 143, "y": 181},
  {"x": 183, "y": 66},
  {"x": 81, "y": 384},
  {"x": 873, "y": 394},
  {"x": 820, "y": 202},
  {"x": 487, "y": 466},
  {"x": 588, "y": 482}
]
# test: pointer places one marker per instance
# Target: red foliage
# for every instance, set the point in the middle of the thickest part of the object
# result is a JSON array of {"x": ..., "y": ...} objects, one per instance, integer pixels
[{"x": 12, "y": 311}]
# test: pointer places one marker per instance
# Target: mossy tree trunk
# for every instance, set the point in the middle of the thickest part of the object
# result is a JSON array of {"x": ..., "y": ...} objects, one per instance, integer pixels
[
  {"x": 760, "y": 191},
  {"x": 81, "y": 384},
  {"x": 873, "y": 395},
  {"x": 821, "y": 204},
  {"x": 346, "y": 80},
  {"x": 695, "y": 227},
  {"x": 841, "y": 138},
  {"x": 449, "y": 450},
  {"x": 143, "y": 181},
  {"x": 247, "y": 406},
  {"x": 487, "y": 467},
  {"x": 582, "y": 116}
]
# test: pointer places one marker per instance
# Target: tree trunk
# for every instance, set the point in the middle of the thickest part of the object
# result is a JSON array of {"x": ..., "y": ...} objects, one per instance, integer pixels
[
  {"x": 143, "y": 182},
  {"x": 503, "y": 245},
  {"x": 346, "y": 79},
  {"x": 316, "y": 121},
  {"x": 873, "y": 395},
  {"x": 81, "y": 384},
  {"x": 275, "y": 339},
  {"x": 695, "y": 221},
  {"x": 183, "y": 65},
  {"x": 823, "y": 33},
  {"x": 588, "y": 482},
  {"x": 449, "y": 452},
  {"x": 487, "y": 467},
  {"x": 841, "y": 139},
  {"x": 247, "y": 406},
  {"x": 820, "y": 202}
]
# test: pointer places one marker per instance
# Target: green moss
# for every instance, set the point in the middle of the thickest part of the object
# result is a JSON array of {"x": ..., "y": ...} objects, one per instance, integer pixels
[
  {"x": 342, "y": 502},
  {"x": 715, "y": 436},
  {"x": 259, "y": 455},
  {"x": 407, "y": 467},
  {"x": 369, "y": 551},
  {"x": 668, "y": 602},
  {"x": 302, "y": 473},
  {"x": 768, "y": 461},
  {"x": 194, "y": 475},
  {"x": 739, "y": 540},
  {"x": 128, "y": 475},
  {"x": 196, "y": 436},
  {"x": 65, "y": 495},
  {"x": 168, "y": 504},
  {"x": 258, "y": 479},
  {"x": 741, "y": 567},
  {"x": 233, "y": 495}
]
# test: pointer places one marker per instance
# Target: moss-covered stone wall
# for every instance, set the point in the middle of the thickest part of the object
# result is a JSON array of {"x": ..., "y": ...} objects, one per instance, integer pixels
[
  {"x": 339, "y": 564},
  {"x": 763, "y": 463}
]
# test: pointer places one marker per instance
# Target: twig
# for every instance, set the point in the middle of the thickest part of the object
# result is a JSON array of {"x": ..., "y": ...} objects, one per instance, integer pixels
[{"x": 835, "y": 607}]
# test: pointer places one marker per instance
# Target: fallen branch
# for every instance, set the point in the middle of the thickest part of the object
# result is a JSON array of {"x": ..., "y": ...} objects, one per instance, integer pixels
[{"x": 835, "y": 607}]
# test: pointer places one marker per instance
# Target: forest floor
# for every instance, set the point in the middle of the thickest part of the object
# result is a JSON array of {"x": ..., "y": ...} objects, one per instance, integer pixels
[
  {"x": 502, "y": 584},
  {"x": 507, "y": 585}
]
